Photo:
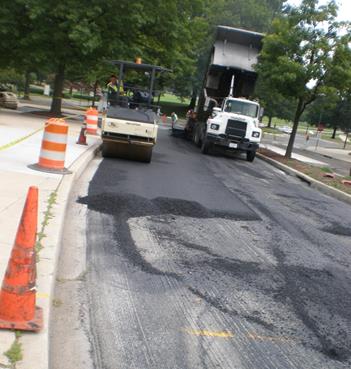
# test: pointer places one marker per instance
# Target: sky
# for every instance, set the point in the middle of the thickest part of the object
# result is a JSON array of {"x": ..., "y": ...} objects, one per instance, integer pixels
[{"x": 344, "y": 13}]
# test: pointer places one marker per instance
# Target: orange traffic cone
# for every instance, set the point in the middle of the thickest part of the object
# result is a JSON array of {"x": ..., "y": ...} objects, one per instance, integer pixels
[
  {"x": 53, "y": 148},
  {"x": 82, "y": 139},
  {"x": 91, "y": 120},
  {"x": 17, "y": 295}
]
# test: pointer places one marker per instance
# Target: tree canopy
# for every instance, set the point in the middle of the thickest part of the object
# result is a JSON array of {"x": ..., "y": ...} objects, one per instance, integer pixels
[
  {"x": 332, "y": 111},
  {"x": 71, "y": 38},
  {"x": 305, "y": 56}
]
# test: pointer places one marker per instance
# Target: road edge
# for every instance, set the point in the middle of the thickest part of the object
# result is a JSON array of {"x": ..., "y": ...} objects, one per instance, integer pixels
[
  {"x": 36, "y": 348},
  {"x": 322, "y": 187}
]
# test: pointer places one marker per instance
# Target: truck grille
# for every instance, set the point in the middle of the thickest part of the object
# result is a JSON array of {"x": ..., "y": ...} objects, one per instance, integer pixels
[{"x": 236, "y": 128}]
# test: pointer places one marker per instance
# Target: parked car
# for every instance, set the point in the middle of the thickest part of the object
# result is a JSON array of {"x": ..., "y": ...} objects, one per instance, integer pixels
[
  {"x": 8, "y": 100},
  {"x": 285, "y": 129}
]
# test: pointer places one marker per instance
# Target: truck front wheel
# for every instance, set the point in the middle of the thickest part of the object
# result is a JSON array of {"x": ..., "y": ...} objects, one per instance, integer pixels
[
  {"x": 250, "y": 156},
  {"x": 205, "y": 147},
  {"x": 196, "y": 138}
]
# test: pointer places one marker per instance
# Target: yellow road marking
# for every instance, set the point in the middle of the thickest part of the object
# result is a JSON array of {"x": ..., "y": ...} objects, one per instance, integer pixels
[
  {"x": 206, "y": 333},
  {"x": 42, "y": 295},
  {"x": 15, "y": 142},
  {"x": 227, "y": 334}
]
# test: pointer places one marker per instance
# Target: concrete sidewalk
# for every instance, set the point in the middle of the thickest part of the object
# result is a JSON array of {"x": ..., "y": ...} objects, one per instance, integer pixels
[
  {"x": 45, "y": 102},
  {"x": 302, "y": 158},
  {"x": 338, "y": 154},
  {"x": 20, "y": 141},
  {"x": 339, "y": 160},
  {"x": 31, "y": 107}
]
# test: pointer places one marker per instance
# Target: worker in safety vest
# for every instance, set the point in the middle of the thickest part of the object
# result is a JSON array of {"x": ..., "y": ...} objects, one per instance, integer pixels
[
  {"x": 112, "y": 88},
  {"x": 174, "y": 119}
]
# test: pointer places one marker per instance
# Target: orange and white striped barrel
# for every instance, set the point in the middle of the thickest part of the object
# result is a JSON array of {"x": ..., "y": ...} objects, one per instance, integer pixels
[
  {"x": 91, "y": 120},
  {"x": 53, "y": 146}
]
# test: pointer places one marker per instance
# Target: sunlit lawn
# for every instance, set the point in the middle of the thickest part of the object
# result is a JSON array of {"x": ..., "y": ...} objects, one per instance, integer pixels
[{"x": 170, "y": 98}]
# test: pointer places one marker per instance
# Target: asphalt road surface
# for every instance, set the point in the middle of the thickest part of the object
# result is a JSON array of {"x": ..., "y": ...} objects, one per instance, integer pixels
[{"x": 198, "y": 261}]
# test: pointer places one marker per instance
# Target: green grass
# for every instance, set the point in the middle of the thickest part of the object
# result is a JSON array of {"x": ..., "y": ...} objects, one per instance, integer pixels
[
  {"x": 170, "y": 98},
  {"x": 270, "y": 130},
  {"x": 328, "y": 137},
  {"x": 57, "y": 303},
  {"x": 170, "y": 103},
  {"x": 277, "y": 122},
  {"x": 14, "y": 353},
  {"x": 47, "y": 216}
]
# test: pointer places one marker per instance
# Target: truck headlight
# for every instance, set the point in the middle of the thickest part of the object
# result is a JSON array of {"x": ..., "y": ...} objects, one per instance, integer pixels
[
  {"x": 214, "y": 126},
  {"x": 256, "y": 134}
]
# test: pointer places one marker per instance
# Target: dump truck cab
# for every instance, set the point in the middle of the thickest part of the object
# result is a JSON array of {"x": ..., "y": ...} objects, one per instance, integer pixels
[
  {"x": 234, "y": 126},
  {"x": 129, "y": 124}
]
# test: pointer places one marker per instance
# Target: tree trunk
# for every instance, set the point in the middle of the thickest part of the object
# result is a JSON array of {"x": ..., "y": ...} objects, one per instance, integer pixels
[
  {"x": 270, "y": 121},
  {"x": 26, "y": 86},
  {"x": 298, "y": 113},
  {"x": 193, "y": 100},
  {"x": 334, "y": 132},
  {"x": 95, "y": 87},
  {"x": 346, "y": 139},
  {"x": 57, "y": 93}
]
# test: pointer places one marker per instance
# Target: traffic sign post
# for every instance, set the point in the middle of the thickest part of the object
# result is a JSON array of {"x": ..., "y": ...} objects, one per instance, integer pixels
[{"x": 320, "y": 129}]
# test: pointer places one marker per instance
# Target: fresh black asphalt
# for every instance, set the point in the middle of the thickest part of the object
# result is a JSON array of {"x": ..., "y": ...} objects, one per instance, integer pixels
[{"x": 200, "y": 261}]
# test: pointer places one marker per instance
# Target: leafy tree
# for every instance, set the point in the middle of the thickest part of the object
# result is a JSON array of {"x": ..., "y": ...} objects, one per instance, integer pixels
[
  {"x": 255, "y": 15},
  {"x": 274, "y": 104},
  {"x": 333, "y": 111},
  {"x": 9, "y": 76},
  {"x": 71, "y": 38},
  {"x": 304, "y": 56}
]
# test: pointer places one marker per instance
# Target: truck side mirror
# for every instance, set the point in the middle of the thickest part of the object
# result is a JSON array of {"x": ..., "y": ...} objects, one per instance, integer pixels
[{"x": 216, "y": 109}]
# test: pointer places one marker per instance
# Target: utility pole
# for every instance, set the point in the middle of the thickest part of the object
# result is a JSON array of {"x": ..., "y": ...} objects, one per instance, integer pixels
[{"x": 346, "y": 139}]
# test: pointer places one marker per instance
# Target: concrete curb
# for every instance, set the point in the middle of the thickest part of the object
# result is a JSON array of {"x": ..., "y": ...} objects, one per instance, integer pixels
[
  {"x": 36, "y": 347},
  {"x": 322, "y": 187}
]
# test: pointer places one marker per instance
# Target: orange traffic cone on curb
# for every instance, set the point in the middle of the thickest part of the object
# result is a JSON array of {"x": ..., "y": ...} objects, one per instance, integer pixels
[
  {"x": 82, "y": 139},
  {"x": 53, "y": 148},
  {"x": 18, "y": 293}
]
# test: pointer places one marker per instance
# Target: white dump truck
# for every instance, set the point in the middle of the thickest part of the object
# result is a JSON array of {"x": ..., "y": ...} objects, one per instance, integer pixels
[
  {"x": 226, "y": 116},
  {"x": 129, "y": 124}
]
